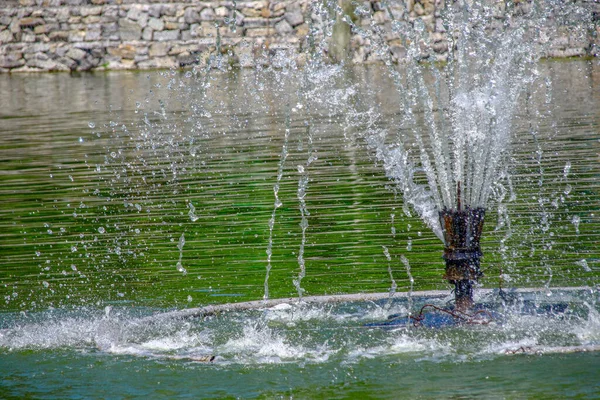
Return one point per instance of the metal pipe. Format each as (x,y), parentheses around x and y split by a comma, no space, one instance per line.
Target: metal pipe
(462,253)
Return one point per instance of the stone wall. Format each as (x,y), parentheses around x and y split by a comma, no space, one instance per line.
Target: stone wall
(81,35)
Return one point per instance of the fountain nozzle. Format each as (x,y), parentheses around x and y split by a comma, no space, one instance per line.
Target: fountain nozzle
(462,233)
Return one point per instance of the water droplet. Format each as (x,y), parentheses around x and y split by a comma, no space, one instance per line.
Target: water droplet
(92,124)
(567,169)
(101,230)
(192,212)
(583,264)
(180,268)
(181,242)
(576,220)
(46,284)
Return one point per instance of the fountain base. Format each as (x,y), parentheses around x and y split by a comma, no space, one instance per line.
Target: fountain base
(462,232)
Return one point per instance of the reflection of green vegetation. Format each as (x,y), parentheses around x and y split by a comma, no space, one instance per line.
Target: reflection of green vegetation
(134,257)
(91,237)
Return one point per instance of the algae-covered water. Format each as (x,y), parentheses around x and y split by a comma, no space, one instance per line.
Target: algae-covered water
(122,196)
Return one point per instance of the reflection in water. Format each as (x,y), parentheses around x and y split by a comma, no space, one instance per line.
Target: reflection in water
(103,174)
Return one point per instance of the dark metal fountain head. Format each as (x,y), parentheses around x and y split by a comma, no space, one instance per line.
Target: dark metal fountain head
(462,233)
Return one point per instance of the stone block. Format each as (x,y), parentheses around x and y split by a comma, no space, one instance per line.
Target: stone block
(159,63)
(75,54)
(118,64)
(92,19)
(440,47)
(124,51)
(93,35)
(37,48)
(381,17)
(61,49)
(63,14)
(294,15)
(42,38)
(283,27)
(167,35)
(14,26)
(44,29)
(38,56)
(184,48)
(186,59)
(5,20)
(256,32)
(207,14)
(155,10)
(129,30)
(6,37)
(12,60)
(30,22)
(47,65)
(59,36)
(28,37)
(250,12)
(67,62)
(110,15)
(156,24)
(191,15)
(222,12)
(87,11)
(301,30)
(76,36)
(25,69)
(206,29)
(172,25)
(159,49)
(255,22)
(169,10)
(143,20)
(108,29)
(147,33)
(135,12)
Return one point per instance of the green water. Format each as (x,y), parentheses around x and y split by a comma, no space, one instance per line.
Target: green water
(297,352)
(526,377)
(97,172)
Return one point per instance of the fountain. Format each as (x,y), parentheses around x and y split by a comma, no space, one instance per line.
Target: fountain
(276,186)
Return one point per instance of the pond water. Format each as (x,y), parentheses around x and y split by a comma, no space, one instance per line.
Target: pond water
(123,195)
